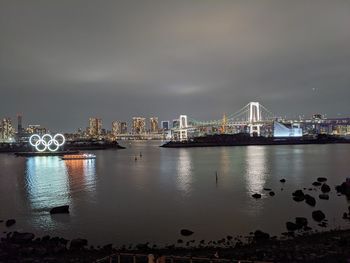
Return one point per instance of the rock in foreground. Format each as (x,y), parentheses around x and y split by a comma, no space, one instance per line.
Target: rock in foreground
(64,209)
(318,215)
(186,232)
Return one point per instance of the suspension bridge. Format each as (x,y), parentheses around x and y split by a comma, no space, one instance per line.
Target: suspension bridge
(253,116)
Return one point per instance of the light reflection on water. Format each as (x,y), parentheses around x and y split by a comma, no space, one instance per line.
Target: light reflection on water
(115,199)
(256,169)
(50,182)
(184,171)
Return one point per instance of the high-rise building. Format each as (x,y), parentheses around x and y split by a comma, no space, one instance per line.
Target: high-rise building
(176,123)
(19,123)
(95,127)
(165,125)
(154,124)
(7,131)
(138,125)
(116,128)
(123,127)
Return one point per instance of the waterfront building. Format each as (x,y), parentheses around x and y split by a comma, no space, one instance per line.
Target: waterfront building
(35,128)
(165,125)
(138,125)
(19,124)
(95,127)
(123,127)
(176,123)
(281,130)
(154,125)
(7,131)
(116,128)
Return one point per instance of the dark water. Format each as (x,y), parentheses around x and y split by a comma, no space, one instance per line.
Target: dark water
(117,199)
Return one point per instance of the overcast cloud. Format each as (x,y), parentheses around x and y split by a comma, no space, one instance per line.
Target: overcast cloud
(64,61)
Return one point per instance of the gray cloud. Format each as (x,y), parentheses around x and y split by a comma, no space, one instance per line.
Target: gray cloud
(63,61)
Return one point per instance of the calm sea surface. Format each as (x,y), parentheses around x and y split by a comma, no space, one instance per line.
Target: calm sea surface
(115,199)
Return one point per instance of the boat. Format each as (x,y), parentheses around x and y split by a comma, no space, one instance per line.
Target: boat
(82,156)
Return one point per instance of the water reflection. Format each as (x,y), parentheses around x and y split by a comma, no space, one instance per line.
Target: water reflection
(184,171)
(46,182)
(51,181)
(256,171)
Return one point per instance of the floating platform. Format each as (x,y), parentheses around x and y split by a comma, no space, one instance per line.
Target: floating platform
(35,154)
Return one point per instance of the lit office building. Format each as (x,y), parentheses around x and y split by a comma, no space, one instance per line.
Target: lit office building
(35,128)
(176,123)
(116,128)
(95,127)
(123,127)
(165,125)
(154,125)
(7,131)
(138,125)
(19,123)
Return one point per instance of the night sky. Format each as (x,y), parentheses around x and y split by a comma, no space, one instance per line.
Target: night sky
(64,61)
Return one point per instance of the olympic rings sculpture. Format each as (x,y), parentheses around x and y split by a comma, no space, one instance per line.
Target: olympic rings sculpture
(47,142)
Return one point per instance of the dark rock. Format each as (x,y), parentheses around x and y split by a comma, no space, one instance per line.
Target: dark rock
(316,183)
(21,238)
(310,200)
(345,215)
(324,196)
(321,179)
(298,198)
(267,189)
(229,237)
(10,222)
(78,243)
(298,193)
(318,215)
(291,226)
(272,193)
(186,232)
(283,180)
(260,235)
(256,196)
(180,241)
(325,188)
(64,209)
(1,221)
(301,222)
(344,189)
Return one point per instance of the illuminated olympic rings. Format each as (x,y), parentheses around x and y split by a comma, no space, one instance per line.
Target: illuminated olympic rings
(47,142)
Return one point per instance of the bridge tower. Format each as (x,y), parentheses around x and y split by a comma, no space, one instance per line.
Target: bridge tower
(254,118)
(183,128)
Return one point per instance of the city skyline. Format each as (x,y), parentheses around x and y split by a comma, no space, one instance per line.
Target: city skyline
(62,62)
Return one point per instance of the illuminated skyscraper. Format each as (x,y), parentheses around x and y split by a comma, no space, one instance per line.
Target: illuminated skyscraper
(116,128)
(154,125)
(95,127)
(19,123)
(123,127)
(138,125)
(165,125)
(7,131)
(176,123)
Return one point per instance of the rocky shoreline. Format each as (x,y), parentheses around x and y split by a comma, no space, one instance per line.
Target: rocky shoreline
(329,246)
